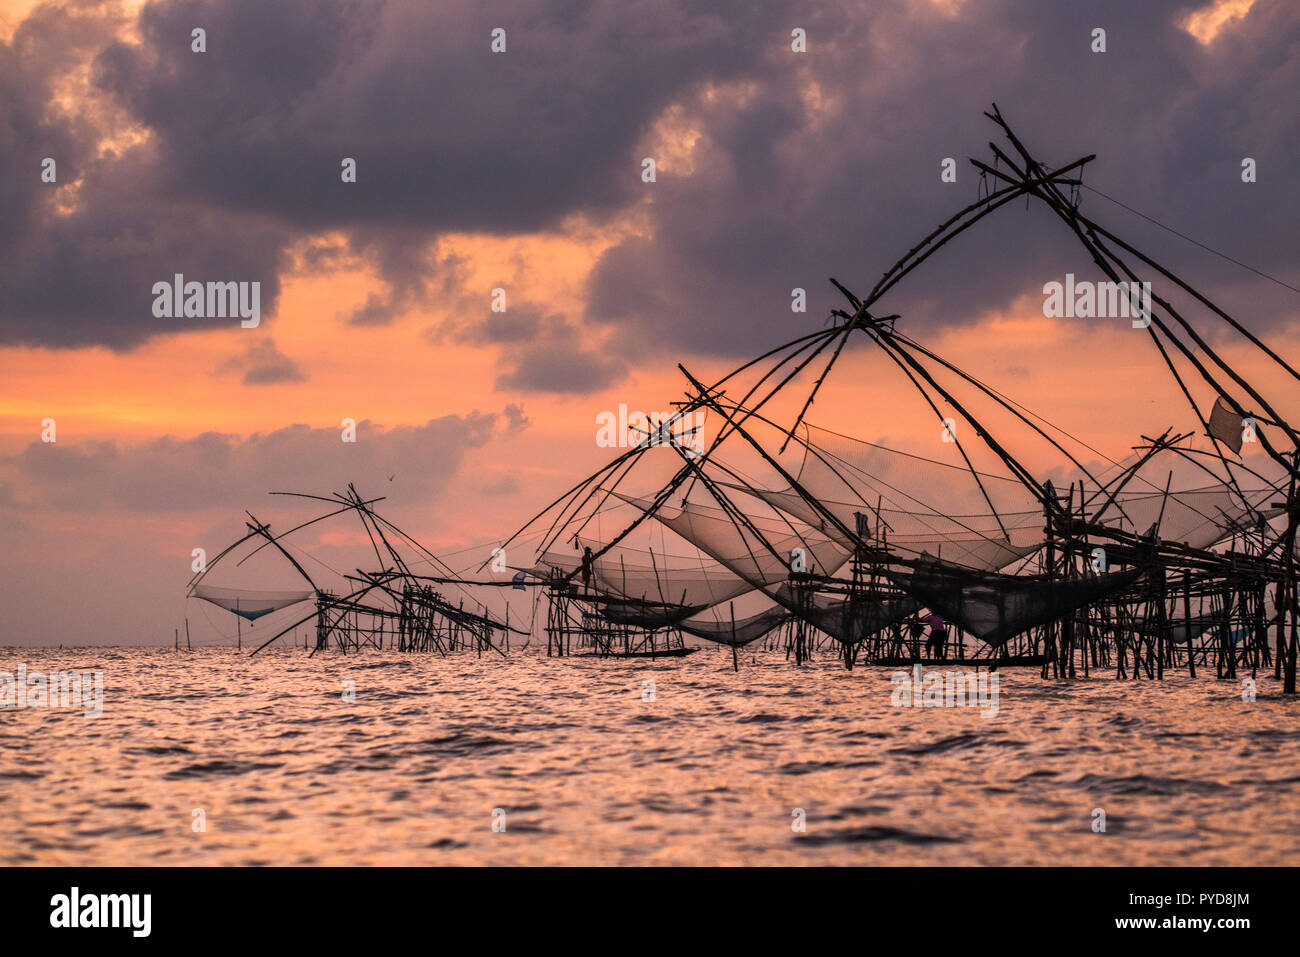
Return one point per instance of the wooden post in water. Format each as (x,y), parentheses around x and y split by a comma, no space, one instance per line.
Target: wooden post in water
(1289,676)
(735,655)
(1050,652)
(1160,622)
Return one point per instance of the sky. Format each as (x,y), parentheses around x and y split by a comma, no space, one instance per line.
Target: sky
(518,178)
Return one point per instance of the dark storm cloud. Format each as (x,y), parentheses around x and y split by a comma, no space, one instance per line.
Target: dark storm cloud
(411,272)
(246,140)
(160,475)
(446,135)
(784,196)
(83,274)
(29,131)
(242,159)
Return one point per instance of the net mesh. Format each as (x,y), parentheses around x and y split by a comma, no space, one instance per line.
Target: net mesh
(996,608)
(741,632)
(622,573)
(644,615)
(926,505)
(909,535)
(248,603)
(1199,516)
(745,551)
(848,621)
(919,505)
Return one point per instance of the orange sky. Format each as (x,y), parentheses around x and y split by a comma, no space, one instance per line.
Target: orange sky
(1096,380)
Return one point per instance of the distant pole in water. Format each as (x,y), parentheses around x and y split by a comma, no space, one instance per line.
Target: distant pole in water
(735,660)
(187,635)
(177,646)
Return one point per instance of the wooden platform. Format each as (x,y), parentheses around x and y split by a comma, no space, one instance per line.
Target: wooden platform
(1015,661)
(666,653)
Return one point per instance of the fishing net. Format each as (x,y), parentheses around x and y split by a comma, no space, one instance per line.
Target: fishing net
(917,505)
(926,505)
(740,632)
(642,614)
(248,603)
(996,608)
(615,574)
(1199,517)
(908,535)
(847,620)
(744,550)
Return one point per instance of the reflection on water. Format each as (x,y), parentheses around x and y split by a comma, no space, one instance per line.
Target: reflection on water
(283,770)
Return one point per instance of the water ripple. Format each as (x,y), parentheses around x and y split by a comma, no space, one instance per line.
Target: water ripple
(217,758)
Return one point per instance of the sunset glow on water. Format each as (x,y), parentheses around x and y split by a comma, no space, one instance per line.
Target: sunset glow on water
(586,771)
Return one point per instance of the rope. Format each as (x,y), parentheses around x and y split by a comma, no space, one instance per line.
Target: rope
(1194,242)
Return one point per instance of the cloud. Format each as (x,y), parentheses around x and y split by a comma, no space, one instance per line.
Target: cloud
(559,368)
(262,363)
(412,272)
(542,352)
(516,421)
(777,169)
(549,354)
(522,322)
(237,151)
(832,168)
(446,135)
(215,471)
(79,257)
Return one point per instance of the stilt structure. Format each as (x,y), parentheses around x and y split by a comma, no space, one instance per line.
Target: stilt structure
(1127,569)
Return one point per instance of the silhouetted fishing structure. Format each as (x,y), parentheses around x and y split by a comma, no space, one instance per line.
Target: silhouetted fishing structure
(392,607)
(1113,567)
(1121,571)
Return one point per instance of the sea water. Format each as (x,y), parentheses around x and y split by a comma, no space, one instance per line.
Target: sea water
(213,757)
